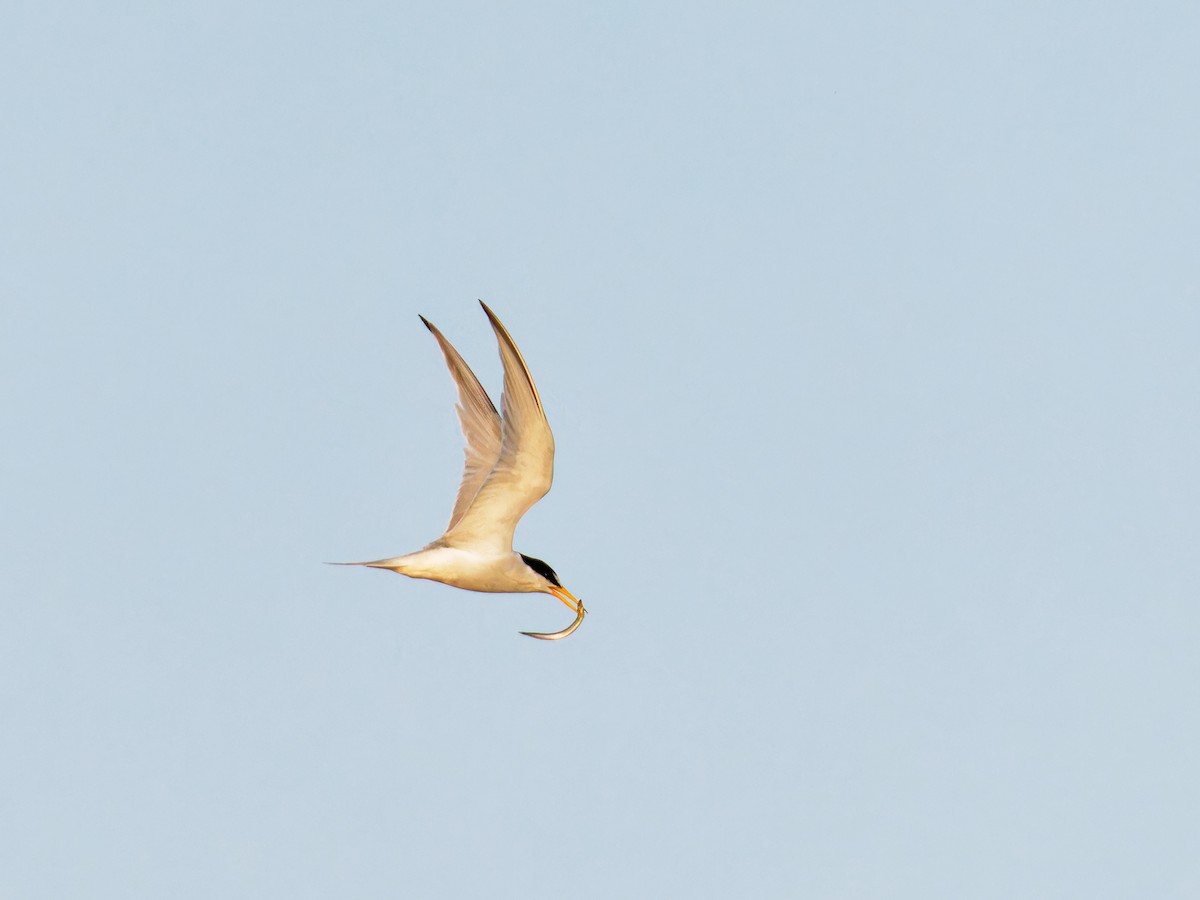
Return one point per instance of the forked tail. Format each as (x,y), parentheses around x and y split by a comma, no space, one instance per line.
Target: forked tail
(396,563)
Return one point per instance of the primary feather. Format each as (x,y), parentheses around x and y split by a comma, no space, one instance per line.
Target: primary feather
(480,426)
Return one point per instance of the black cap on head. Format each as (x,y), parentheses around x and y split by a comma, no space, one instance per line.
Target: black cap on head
(542,569)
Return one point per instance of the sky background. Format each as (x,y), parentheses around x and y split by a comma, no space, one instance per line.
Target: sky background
(869,335)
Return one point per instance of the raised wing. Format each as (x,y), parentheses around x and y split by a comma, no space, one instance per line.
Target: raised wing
(480,426)
(523,473)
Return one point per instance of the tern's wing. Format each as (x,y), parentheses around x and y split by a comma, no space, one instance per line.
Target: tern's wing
(525,469)
(480,426)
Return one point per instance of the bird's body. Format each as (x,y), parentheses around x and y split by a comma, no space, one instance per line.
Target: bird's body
(509,467)
(466,568)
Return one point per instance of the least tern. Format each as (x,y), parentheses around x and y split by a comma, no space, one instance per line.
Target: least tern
(509,467)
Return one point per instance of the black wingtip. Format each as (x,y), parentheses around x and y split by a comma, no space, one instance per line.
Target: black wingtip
(493,318)
(425,320)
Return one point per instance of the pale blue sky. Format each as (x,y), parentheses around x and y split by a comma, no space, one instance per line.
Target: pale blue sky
(869,337)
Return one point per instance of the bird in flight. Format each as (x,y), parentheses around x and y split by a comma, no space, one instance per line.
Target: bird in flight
(509,467)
